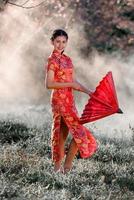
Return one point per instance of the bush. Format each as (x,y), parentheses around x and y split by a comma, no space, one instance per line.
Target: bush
(13,132)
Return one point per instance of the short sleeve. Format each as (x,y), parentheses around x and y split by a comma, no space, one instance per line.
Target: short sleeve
(51,64)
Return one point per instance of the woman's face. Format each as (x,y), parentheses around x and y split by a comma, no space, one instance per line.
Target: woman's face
(59,43)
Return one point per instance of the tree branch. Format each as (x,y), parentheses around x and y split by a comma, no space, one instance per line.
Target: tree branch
(25,2)
(27,7)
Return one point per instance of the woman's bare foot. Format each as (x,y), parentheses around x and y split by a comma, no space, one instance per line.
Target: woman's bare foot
(59,170)
(66,170)
(57,166)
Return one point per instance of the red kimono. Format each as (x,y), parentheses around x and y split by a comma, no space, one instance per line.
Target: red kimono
(63,105)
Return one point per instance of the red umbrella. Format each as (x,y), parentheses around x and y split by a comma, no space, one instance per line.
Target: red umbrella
(103,102)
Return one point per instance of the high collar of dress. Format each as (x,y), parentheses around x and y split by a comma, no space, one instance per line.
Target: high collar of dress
(57,53)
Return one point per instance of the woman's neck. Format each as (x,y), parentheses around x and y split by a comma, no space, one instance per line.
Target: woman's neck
(57,51)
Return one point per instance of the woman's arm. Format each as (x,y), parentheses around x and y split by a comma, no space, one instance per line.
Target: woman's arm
(51,84)
(78,86)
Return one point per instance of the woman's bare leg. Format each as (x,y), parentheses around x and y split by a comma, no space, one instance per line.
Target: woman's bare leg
(70,155)
(63,136)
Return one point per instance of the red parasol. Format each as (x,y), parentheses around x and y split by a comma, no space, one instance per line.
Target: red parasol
(103,101)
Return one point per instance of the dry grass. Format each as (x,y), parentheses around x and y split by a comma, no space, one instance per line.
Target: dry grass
(26,170)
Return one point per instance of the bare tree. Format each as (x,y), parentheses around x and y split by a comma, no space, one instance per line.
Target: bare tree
(23,5)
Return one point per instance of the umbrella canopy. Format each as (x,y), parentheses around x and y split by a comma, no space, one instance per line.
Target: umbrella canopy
(103,102)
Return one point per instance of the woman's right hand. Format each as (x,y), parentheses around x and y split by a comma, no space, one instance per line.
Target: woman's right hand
(90,93)
(76,86)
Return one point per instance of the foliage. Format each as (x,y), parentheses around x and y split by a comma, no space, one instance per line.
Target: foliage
(129,14)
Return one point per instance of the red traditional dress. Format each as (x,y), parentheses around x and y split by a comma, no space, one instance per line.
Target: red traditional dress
(63,105)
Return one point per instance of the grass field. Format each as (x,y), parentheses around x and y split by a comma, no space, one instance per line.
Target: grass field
(26,170)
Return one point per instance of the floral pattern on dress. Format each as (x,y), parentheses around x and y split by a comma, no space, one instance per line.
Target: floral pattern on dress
(63,105)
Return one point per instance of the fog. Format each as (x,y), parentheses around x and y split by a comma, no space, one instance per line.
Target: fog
(25,46)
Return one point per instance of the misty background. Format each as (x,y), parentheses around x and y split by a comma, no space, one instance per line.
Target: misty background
(25,46)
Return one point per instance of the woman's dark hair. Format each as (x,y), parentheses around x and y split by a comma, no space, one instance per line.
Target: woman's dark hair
(58,32)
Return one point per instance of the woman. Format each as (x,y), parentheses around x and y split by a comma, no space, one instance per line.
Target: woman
(60,77)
